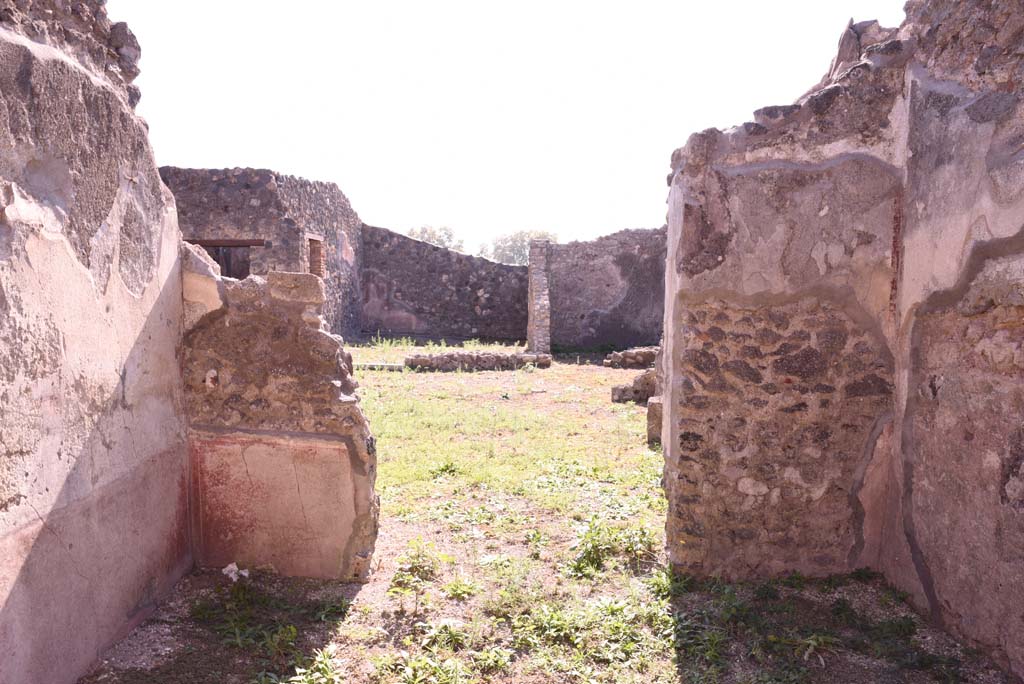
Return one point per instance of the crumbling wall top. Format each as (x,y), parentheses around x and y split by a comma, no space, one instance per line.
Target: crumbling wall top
(81,29)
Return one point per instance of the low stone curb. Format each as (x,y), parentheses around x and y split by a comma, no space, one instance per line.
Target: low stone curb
(475,361)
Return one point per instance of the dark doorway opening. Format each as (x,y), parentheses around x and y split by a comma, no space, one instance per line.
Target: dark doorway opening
(316,257)
(233,256)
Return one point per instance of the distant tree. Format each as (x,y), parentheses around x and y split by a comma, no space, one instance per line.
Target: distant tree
(442,237)
(514,248)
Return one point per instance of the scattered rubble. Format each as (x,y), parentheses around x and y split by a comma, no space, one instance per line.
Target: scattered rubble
(636,357)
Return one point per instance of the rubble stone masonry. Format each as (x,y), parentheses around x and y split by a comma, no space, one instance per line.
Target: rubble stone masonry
(608,292)
(283,463)
(538,332)
(844,352)
(291,214)
(413,288)
(93,459)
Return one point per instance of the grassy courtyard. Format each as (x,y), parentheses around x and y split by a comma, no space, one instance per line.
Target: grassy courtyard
(521,541)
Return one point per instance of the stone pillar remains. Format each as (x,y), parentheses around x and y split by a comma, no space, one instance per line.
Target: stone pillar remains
(283,464)
(538,327)
(844,345)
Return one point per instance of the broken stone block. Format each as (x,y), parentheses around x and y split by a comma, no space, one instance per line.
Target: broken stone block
(643,387)
(635,357)
(655,409)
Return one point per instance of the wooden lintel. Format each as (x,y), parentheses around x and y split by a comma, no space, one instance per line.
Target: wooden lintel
(225,242)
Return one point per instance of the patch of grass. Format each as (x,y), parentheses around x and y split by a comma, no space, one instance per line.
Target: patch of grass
(333,610)
(766,591)
(404,668)
(599,542)
(321,670)
(443,635)
(794,580)
(446,468)
(536,540)
(461,589)
(493,660)
(866,575)
(665,583)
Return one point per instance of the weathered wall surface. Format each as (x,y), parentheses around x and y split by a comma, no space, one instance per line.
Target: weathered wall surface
(287,211)
(608,291)
(843,354)
(414,288)
(93,524)
(283,464)
(538,324)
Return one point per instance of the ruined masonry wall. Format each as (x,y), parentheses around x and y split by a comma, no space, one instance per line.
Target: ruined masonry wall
(283,463)
(538,328)
(843,357)
(82,31)
(414,288)
(93,486)
(609,291)
(287,211)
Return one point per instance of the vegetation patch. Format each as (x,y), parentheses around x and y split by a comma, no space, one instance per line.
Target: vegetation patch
(521,541)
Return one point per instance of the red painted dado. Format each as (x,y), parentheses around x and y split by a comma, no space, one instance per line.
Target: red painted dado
(285,504)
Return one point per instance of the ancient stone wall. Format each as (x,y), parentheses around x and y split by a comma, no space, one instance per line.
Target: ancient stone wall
(93,484)
(843,354)
(608,292)
(283,464)
(414,288)
(256,204)
(538,326)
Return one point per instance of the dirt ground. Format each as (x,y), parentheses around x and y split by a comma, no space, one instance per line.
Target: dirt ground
(521,541)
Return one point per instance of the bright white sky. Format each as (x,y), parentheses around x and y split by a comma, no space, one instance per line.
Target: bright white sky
(487,117)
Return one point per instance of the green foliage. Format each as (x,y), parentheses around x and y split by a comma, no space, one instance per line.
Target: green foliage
(443,635)
(766,591)
(417,566)
(600,542)
(536,540)
(442,237)
(665,583)
(321,670)
(698,637)
(461,589)
(279,644)
(333,610)
(422,669)
(514,248)
(546,625)
(420,561)
(493,659)
(895,628)
(443,469)
(794,580)
(865,575)
(638,544)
